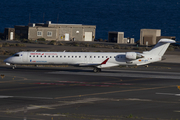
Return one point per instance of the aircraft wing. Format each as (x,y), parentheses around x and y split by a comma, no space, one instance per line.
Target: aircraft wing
(94,64)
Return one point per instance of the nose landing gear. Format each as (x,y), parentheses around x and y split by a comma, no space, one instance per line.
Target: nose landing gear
(13,67)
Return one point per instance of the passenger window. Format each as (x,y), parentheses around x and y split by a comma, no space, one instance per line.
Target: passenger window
(110,56)
(79,56)
(90,56)
(33,56)
(68,56)
(64,56)
(85,56)
(57,56)
(102,56)
(37,56)
(72,56)
(30,56)
(75,56)
(114,56)
(44,56)
(41,55)
(98,56)
(94,56)
(48,56)
(60,56)
(52,56)
(106,56)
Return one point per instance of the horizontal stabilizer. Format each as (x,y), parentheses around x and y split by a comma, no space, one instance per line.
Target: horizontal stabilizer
(167,41)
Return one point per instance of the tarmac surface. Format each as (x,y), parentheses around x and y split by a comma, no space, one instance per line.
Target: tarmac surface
(70,93)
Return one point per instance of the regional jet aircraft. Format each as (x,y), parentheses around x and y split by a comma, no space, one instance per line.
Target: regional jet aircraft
(97,60)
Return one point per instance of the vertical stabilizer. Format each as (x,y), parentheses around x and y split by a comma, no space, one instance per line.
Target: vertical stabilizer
(161,47)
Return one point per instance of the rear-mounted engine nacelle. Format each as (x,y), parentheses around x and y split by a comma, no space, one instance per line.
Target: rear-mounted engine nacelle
(133,55)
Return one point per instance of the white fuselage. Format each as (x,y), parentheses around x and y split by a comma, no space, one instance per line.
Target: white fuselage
(97,60)
(78,58)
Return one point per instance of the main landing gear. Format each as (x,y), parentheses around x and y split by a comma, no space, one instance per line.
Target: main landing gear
(97,69)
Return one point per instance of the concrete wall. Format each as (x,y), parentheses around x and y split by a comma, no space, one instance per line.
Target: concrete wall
(59,32)
(21,31)
(132,41)
(148,40)
(32,33)
(120,37)
(9,33)
(77,34)
(117,37)
(147,33)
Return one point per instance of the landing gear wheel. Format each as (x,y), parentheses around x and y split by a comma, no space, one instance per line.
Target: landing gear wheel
(96,69)
(13,67)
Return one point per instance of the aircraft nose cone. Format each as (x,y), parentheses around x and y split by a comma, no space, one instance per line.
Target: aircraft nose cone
(7,60)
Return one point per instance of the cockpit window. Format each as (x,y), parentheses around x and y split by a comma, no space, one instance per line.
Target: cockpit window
(16,55)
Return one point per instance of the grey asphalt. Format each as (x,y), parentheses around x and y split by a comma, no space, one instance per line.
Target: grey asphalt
(70,93)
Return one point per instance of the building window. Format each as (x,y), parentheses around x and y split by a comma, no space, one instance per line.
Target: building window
(49,33)
(39,33)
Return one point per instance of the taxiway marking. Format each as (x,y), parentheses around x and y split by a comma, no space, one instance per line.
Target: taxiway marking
(125,73)
(168,94)
(24,88)
(111,92)
(4,96)
(33,107)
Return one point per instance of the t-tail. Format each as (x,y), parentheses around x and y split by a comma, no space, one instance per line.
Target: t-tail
(154,55)
(161,47)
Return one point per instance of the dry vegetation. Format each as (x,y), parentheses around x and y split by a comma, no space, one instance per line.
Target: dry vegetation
(4,45)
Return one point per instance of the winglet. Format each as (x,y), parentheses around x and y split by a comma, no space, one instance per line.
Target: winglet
(104,62)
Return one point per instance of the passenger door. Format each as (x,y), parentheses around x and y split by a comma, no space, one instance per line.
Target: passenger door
(25,57)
